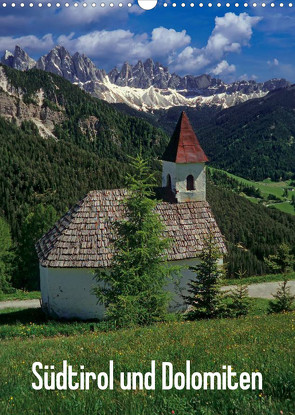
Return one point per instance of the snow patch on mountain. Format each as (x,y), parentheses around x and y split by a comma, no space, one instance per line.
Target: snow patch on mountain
(154,98)
(146,85)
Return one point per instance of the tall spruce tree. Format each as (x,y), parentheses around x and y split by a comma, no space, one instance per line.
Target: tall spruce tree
(133,288)
(205,299)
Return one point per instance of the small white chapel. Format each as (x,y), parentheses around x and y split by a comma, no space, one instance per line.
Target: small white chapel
(81,241)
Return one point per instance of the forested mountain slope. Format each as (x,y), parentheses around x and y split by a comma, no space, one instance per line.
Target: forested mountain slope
(34,170)
(254,140)
(252,232)
(64,111)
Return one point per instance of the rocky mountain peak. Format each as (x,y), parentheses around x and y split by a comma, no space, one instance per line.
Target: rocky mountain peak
(7,58)
(19,60)
(76,69)
(151,85)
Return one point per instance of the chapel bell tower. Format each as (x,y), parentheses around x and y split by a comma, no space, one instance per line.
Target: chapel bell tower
(183,170)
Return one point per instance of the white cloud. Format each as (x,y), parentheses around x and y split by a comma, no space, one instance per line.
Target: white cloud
(125,45)
(230,34)
(274,62)
(246,77)
(87,15)
(31,43)
(113,47)
(223,68)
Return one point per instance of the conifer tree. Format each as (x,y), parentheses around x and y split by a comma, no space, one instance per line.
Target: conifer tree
(205,299)
(240,302)
(133,289)
(283,299)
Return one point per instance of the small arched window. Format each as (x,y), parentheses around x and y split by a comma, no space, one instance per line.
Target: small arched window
(169,183)
(190,185)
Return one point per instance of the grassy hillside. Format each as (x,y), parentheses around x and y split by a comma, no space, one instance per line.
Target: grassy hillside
(256,343)
(270,193)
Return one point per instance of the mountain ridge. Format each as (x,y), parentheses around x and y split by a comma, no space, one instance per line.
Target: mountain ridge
(144,86)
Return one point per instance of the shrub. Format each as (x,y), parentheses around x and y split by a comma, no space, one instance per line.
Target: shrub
(283,299)
(205,297)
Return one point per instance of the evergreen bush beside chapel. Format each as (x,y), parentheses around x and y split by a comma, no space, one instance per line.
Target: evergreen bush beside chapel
(133,289)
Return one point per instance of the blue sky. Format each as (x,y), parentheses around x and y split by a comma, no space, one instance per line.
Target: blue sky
(228,42)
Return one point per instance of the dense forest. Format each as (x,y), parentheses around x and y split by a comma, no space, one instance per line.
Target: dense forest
(254,140)
(36,173)
(41,178)
(252,232)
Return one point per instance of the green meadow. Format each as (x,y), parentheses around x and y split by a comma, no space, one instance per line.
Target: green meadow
(258,342)
(268,187)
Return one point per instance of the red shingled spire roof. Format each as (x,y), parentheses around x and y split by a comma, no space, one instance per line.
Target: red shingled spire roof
(184,147)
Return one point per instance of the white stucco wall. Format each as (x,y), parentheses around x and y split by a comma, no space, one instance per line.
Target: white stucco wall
(178,173)
(169,168)
(66,292)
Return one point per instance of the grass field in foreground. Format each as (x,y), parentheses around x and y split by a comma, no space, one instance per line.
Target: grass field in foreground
(32,323)
(264,343)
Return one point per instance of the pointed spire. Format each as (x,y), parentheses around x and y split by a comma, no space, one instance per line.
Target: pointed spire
(184,147)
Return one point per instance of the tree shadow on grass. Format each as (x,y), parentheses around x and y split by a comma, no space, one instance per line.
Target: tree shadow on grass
(27,316)
(38,317)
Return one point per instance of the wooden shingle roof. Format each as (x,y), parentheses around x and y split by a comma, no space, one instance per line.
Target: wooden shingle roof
(83,237)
